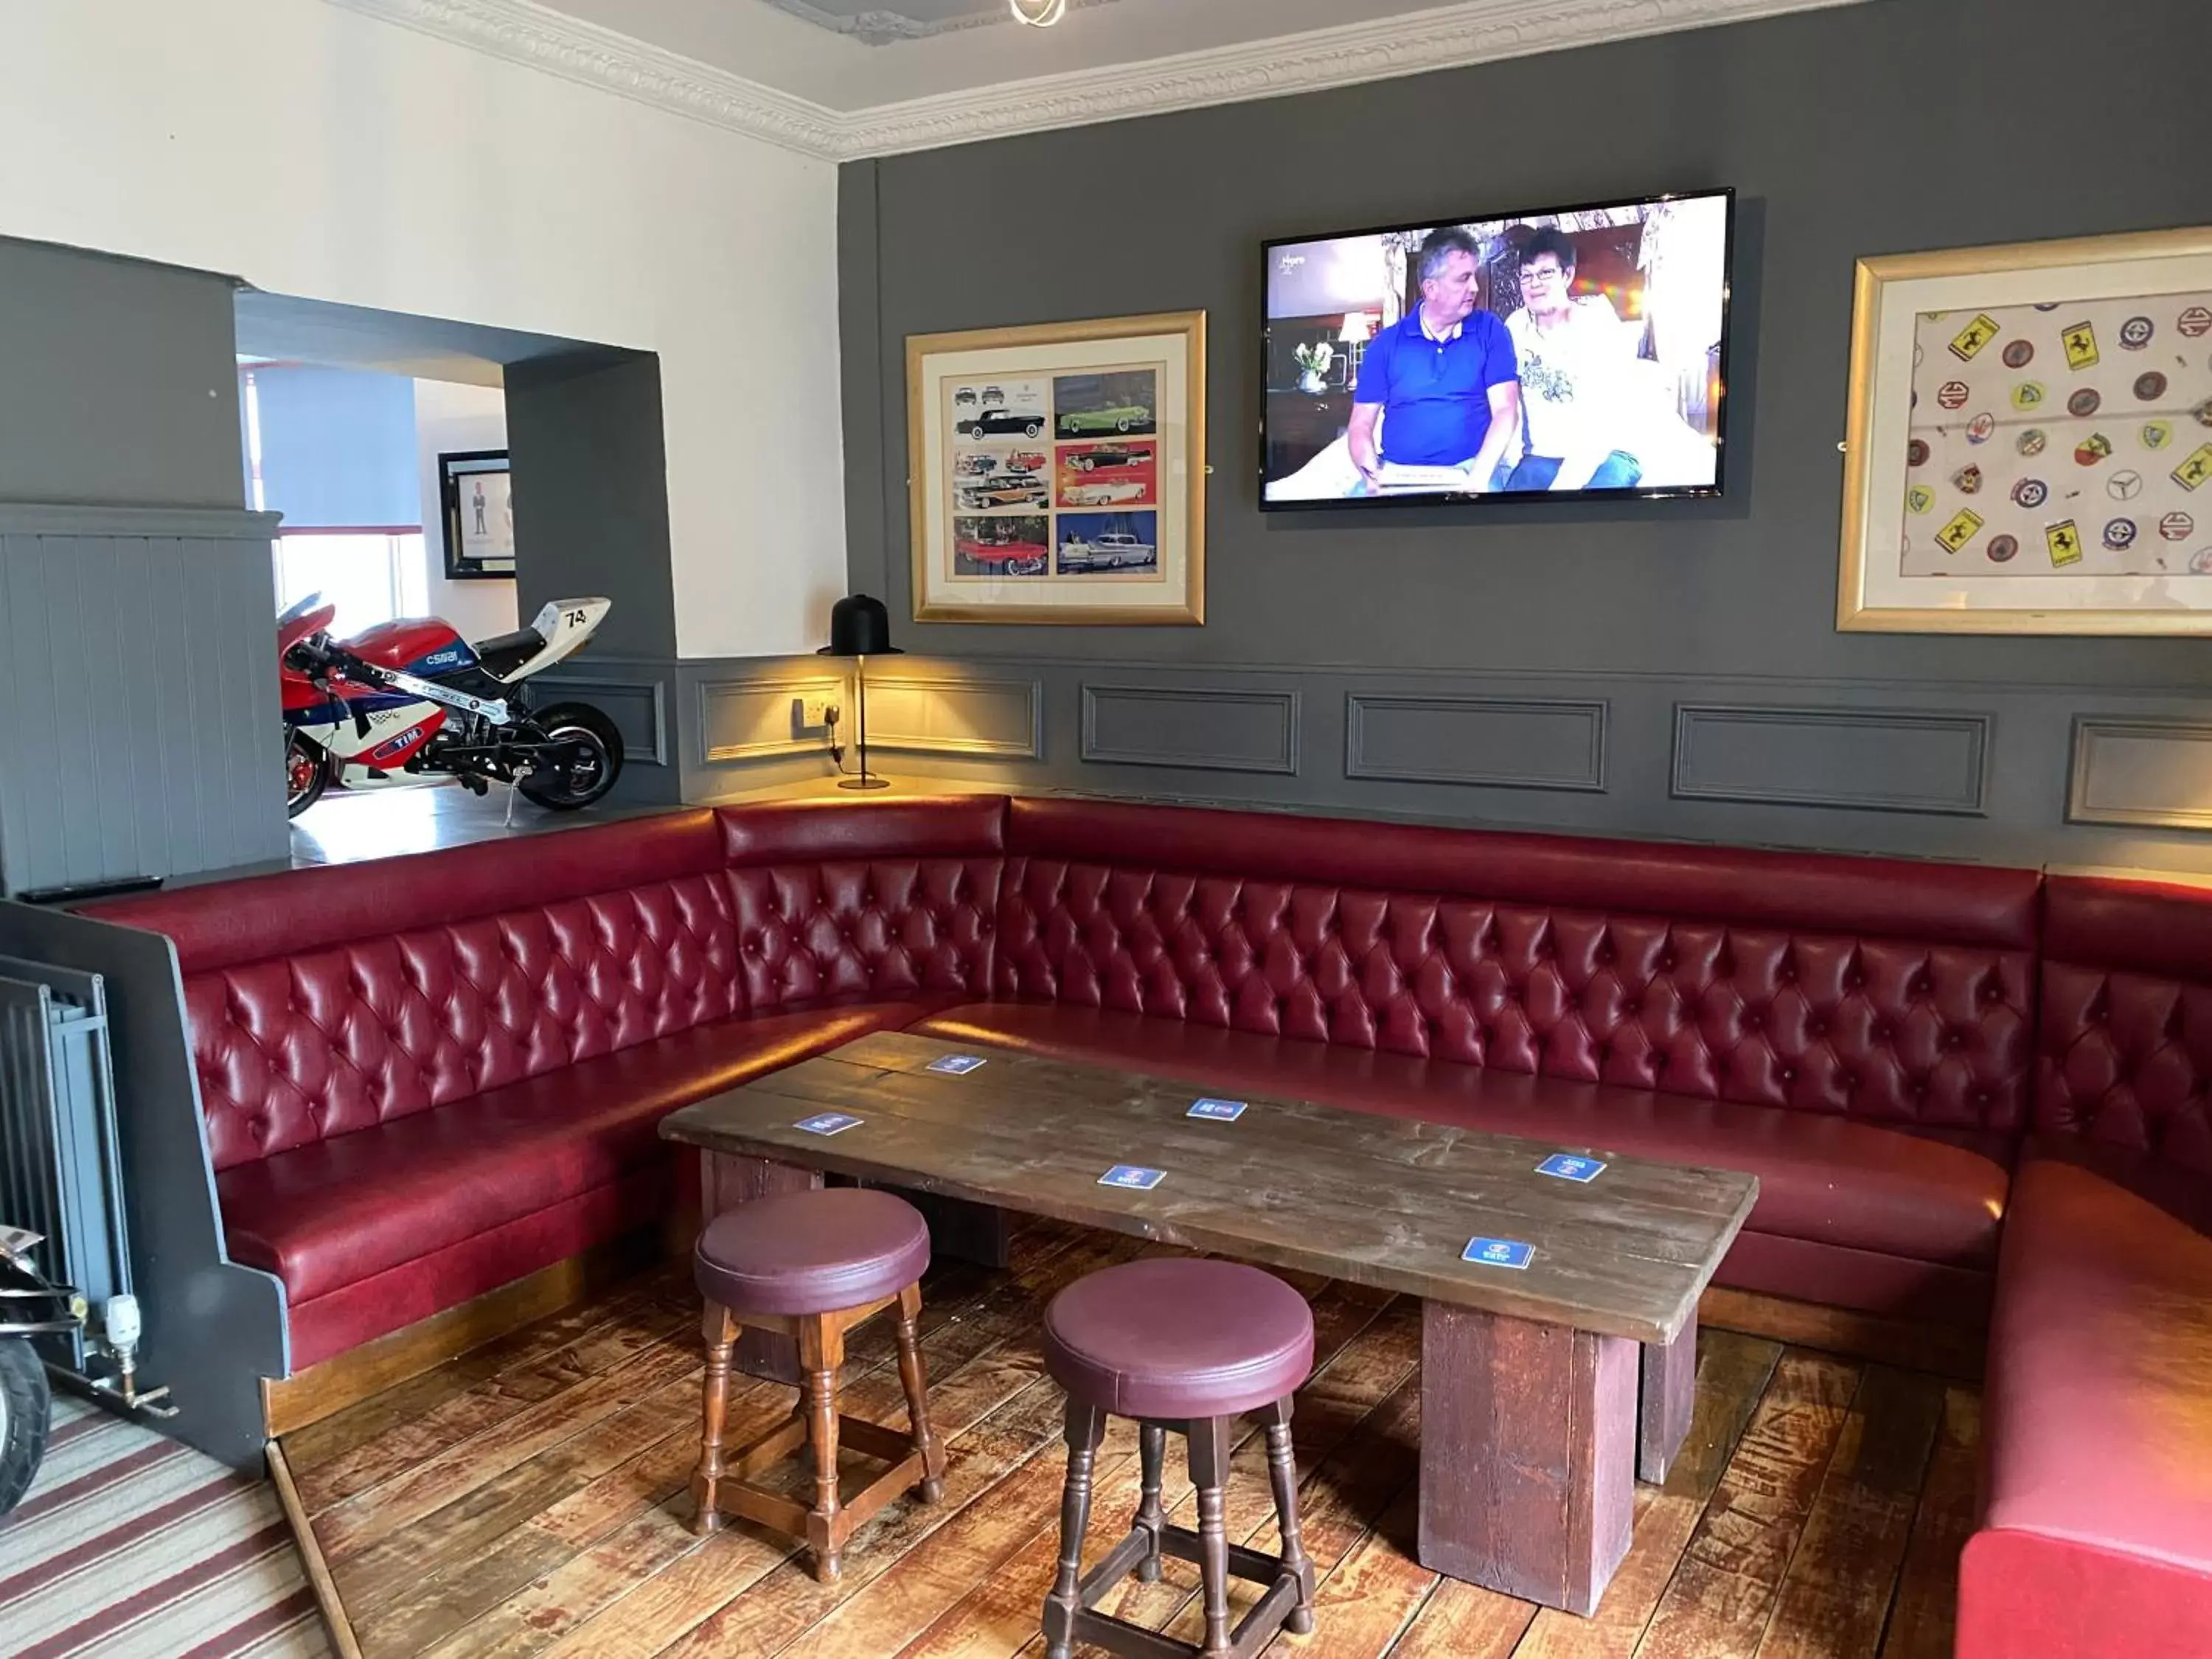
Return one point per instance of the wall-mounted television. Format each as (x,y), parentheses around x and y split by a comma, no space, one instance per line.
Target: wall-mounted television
(1569,352)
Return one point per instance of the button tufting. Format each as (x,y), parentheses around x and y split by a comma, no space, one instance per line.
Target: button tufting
(1790,1074)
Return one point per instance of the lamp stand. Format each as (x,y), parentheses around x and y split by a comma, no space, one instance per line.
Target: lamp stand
(860,686)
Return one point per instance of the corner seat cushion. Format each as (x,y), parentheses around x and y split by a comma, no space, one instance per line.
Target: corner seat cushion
(333,1212)
(2096,1440)
(1825,1179)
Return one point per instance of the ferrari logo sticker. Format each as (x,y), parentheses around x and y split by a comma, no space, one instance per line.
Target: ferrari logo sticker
(2065,543)
(2196,469)
(1965,527)
(2081,342)
(1971,338)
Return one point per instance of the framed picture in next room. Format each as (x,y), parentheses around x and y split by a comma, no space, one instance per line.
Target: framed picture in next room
(1058,472)
(479,514)
(2030,439)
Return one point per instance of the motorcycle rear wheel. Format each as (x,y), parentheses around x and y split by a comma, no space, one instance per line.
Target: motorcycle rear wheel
(596,762)
(306,774)
(25,1403)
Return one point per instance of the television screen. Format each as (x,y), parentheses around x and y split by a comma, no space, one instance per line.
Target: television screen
(1571,353)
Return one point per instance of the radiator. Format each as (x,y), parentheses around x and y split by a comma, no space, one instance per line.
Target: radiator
(61,1170)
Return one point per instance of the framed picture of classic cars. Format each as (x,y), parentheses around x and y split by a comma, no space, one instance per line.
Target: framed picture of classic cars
(2029,448)
(1059,473)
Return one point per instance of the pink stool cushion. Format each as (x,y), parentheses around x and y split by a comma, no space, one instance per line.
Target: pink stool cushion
(1173,1339)
(811,1252)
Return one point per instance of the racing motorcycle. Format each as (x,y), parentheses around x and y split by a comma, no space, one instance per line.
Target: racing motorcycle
(412,700)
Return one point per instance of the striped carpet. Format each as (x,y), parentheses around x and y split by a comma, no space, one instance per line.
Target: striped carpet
(130,1545)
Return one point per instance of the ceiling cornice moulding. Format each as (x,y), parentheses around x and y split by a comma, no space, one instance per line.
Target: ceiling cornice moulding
(1444,37)
(540,38)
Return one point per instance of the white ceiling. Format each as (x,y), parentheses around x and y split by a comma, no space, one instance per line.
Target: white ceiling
(880,25)
(766,42)
(820,85)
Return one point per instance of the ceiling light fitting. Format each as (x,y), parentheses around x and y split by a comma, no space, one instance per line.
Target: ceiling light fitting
(1039,13)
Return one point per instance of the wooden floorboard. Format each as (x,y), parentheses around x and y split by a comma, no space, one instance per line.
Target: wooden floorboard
(530,1501)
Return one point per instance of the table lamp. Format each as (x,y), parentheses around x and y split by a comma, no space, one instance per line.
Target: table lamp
(860,628)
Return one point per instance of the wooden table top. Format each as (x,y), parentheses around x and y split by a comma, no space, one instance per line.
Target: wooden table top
(1385,1201)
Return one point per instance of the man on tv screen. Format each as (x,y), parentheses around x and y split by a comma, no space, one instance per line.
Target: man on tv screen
(1440,383)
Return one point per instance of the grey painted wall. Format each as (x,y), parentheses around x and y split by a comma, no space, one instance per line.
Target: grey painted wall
(118,381)
(1672,669)
(591,507)
(138,729)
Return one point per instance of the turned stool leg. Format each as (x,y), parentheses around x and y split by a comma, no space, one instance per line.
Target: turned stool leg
(1282,1475)
(720,1332)
(1152,1446)
(917,1396)
(821,1351)
(1086,1426)
(1209,1471)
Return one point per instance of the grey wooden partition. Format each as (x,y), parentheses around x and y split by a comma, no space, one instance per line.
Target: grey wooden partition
(213,1328)
(140,733)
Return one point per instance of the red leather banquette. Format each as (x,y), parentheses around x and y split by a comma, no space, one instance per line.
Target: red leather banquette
(427,1077)
(2096,1535)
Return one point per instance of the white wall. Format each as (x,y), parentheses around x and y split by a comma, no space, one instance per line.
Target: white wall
(450,417)
(313,151)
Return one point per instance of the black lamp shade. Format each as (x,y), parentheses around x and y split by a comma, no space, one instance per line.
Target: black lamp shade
(859,626)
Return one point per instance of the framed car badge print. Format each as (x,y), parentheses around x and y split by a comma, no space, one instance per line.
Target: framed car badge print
(2030,439)
(1058,472)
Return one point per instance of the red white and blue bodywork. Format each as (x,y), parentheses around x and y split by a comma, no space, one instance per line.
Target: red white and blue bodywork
(412,696)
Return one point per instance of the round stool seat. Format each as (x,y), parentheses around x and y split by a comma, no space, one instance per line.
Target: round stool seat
(811,1252)
(1179,1339)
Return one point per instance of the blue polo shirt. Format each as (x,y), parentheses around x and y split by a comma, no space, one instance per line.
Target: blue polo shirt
(1435,394)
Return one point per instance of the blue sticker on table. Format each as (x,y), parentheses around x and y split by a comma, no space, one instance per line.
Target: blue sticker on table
(956,1065)
(1221,1111)
(1497,1252)
(829,1123)
(1134,1177)
(1567,1167)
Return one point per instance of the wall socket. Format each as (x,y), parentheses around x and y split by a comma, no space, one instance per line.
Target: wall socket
(814,712)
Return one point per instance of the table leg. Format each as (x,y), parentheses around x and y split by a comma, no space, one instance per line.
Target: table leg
(1665,1396)
(725,1182)
(958,1231)
(1528,1454)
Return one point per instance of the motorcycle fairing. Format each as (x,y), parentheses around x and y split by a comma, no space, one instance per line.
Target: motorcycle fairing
(419,646)
(563,625)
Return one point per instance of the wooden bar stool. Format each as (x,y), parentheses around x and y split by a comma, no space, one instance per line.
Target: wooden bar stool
(1188,1347)
(811,1266)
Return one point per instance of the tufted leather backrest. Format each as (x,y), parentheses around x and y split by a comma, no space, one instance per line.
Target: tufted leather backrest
(883,928)
(2125,1058)
(321,1042)
(890,899)
(326,1001)
(1879,989)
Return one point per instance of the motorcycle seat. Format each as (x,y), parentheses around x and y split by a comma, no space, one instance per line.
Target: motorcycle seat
(503,654)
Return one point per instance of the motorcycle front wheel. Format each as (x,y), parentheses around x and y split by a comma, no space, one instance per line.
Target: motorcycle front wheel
(25,1403)
(590,762)
(306,774)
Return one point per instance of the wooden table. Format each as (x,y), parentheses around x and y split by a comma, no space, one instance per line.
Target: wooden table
(1546,1391)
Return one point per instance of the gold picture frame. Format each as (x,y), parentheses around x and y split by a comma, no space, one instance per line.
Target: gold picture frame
(1057,472)
(2054,479)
